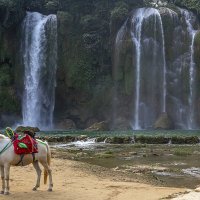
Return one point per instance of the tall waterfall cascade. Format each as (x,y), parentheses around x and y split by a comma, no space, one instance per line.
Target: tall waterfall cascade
(39,48)
(163,65)
(139,18)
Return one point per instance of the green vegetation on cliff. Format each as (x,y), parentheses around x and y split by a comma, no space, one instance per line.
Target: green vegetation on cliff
(12,13)
(8,100)
(86,34)
(189,4)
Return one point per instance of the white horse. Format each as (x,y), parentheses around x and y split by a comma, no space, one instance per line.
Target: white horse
(8,158)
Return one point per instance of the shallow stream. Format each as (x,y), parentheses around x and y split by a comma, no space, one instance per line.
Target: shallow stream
(165,164)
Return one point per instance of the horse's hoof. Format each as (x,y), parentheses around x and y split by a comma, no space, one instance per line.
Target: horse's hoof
(34,189)
(2,192)
(6,193)
(50,190)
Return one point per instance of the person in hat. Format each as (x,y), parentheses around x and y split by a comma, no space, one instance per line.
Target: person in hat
(30,133)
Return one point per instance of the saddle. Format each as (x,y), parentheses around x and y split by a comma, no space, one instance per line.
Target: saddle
(25,145)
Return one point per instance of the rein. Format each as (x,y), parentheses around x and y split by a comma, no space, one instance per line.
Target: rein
(6,147)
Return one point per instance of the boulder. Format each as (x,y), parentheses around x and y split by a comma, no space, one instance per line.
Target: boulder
(121,124)
(22,129)
(119,140)
(91,121)
(66,124)
(99,126)
(163,122)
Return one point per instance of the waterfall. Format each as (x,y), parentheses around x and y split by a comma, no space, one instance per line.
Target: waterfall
(192,71)
(39,47)
(164,65)
(145,110)
(136,35)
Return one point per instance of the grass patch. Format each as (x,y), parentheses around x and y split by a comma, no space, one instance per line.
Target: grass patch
(138,145)
(105,155)
(183,151)
(108,152)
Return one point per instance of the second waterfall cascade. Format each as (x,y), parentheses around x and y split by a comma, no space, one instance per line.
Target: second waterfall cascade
(161,55)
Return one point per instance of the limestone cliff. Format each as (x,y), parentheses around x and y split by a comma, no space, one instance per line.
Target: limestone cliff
(85,80)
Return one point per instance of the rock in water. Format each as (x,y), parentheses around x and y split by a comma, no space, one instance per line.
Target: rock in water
(21,129)
(163,122)
(99,126)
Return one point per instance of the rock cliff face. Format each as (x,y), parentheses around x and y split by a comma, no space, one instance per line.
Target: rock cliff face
(85,81)
(11,15)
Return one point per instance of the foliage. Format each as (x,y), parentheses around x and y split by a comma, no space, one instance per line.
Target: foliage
(81,73)
(11,12)
(190,4)
(120,12)
(34,4)
(5,75)
(52,5)
(89,23)
(8,101)
(8,3)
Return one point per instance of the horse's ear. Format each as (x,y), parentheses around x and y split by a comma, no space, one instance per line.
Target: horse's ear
(2,136)
(9,132)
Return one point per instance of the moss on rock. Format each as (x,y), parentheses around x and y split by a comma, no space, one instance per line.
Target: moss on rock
(100,126)
(152,139)
(21,129)
(185,140)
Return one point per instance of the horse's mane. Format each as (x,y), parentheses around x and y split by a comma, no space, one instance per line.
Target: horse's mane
(3,136)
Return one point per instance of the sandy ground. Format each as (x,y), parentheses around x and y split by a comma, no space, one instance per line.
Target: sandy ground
(72,183)
(190,196)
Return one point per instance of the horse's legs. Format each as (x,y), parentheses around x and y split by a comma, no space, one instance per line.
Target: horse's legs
(48,169)
(6,178)
(3,180)
(39,171)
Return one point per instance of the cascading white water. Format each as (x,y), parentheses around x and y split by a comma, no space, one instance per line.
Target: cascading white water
(192,71)
(164,64)
(141,15)
(136,36)
(39,57)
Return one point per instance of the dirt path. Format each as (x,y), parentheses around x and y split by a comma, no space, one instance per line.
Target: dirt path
(72,183)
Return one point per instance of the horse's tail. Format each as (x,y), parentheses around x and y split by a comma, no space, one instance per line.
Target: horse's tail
(48,161)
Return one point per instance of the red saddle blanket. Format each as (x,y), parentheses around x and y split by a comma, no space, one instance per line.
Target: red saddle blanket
(25,145)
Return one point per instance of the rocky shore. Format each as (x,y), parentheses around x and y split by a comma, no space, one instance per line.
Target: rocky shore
(142,139)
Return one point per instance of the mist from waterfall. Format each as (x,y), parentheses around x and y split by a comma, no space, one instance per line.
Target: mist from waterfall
(39,47)
(117,51)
